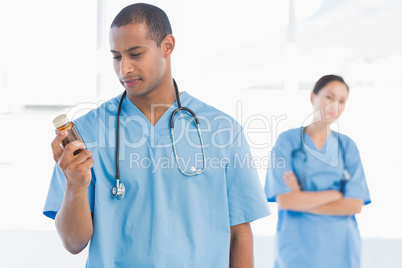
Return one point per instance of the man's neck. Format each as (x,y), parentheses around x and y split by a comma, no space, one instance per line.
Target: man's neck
(155,103)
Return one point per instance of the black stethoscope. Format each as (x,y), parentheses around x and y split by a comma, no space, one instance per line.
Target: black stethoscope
(345,174)
(119,190)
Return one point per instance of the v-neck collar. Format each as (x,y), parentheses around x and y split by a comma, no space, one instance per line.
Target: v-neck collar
(324,146)
(162,126)
(329,153)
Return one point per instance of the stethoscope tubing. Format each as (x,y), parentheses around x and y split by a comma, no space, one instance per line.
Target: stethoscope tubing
(119,189)
(345,173)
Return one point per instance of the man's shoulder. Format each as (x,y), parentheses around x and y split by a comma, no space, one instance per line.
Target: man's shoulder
(95,110)
(91,123)
(210,114)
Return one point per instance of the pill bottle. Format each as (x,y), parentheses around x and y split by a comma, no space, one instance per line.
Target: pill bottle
(61,122)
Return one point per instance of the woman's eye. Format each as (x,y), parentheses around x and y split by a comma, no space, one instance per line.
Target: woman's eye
(135,55)
(117,57)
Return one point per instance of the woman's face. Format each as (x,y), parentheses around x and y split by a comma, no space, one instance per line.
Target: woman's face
(330,102)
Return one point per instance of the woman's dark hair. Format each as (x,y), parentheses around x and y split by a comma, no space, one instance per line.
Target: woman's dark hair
(325,80)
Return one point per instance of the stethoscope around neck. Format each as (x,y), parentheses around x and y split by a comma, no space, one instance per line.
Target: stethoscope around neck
(345,174)
(119,190)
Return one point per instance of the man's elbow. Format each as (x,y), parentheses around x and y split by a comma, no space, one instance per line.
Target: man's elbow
(74,245)
(72,241)
(74,249)
(74,252)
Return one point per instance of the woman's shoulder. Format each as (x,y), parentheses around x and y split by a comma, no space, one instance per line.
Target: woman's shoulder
(346,141)
(292,136)
(292,133)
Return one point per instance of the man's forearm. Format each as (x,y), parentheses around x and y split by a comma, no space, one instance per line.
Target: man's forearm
(74,221)
(342,207)
(241,246)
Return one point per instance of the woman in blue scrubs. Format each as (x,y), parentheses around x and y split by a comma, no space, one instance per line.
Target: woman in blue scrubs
(317,179)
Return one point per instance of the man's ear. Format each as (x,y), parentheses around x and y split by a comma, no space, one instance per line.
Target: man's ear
(167,45)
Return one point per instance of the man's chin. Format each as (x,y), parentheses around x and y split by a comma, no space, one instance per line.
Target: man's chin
(136,92)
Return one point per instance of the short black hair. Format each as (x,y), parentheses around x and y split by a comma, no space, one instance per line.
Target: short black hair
(156,20)
(325,80)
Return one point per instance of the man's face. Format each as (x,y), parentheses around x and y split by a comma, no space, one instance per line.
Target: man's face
(138,62)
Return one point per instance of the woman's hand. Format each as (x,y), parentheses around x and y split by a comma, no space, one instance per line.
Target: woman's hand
(291,181)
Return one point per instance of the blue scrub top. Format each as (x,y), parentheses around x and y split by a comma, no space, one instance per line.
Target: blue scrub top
(166,219)
(312,240)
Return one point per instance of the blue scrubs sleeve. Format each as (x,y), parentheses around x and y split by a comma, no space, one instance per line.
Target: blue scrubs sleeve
(56,193)
(356,187)
(246,198)
(279,162)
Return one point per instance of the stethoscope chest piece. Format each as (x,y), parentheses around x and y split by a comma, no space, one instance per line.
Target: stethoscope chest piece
(346,175)
(118,191)
(196,170)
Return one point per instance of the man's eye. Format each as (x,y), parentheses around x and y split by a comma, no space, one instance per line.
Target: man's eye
(135,55)
(117,57)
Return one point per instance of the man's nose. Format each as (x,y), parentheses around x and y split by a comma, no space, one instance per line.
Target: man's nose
(126,66)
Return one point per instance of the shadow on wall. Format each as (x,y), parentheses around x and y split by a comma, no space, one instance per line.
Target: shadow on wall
(34,249)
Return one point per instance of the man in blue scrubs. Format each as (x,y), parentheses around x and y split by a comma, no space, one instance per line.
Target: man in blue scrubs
(166,219)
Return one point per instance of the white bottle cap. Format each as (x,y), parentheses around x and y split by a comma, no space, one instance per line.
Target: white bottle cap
(60,121)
